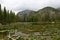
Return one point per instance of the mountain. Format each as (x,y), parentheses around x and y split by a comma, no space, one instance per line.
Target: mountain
(45,14)
(49,13)
(58,8)
(48,9)
(25,12)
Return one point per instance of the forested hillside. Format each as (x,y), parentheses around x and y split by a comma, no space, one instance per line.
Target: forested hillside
(46,14)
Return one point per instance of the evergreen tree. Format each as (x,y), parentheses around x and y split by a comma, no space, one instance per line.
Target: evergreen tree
(12,17)
(8,17)
(17,18)
(0,15)
(4,16)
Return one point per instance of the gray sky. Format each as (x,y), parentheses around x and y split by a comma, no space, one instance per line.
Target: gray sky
(18,5)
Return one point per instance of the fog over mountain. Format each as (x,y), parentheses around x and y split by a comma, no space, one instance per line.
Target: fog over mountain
(20,5)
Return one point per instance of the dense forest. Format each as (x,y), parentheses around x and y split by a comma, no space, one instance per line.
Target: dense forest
(7,17)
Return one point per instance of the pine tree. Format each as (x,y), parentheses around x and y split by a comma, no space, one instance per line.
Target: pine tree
(12,16)
(17,18)
(4,16)
(7,17)
(0,15)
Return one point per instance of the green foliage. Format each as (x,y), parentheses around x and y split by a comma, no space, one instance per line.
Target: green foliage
(50,30)
(20,38)
(0,15)
(10,39)
(7,17)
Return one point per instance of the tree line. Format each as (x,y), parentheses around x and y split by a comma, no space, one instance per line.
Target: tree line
(7,17)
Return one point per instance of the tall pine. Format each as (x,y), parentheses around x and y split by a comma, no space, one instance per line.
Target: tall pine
(4,16)
(0,14)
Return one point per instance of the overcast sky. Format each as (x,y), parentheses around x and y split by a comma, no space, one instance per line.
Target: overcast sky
(18,5)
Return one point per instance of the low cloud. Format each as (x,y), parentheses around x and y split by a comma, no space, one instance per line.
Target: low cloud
(18,5)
